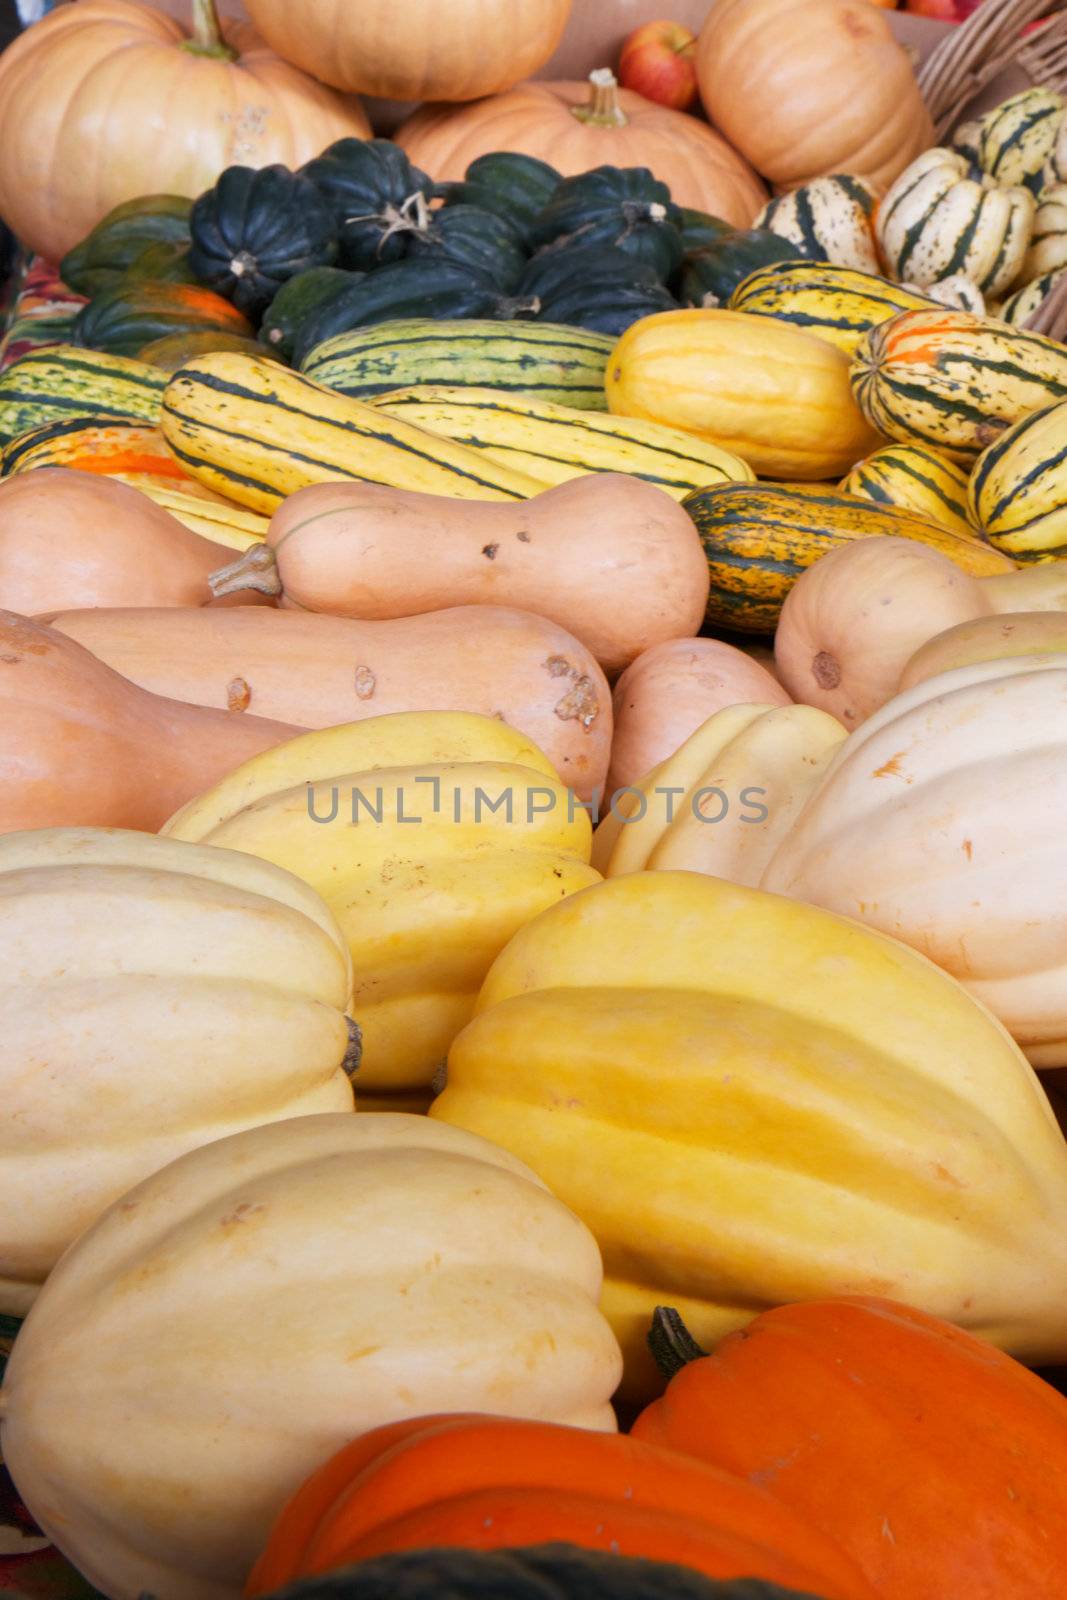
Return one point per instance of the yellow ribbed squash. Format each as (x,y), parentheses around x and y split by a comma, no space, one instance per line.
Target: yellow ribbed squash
(392,820)
(914,478)
(155,996)
(774,396)
(1019,487)
(751,1101)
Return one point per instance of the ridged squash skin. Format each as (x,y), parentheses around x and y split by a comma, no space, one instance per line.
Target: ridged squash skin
(1048,241)
(288,1289)
(759,538)
(740,1132)
(1018,489)
(829,219)
(939,823)
(1019,307)
(773,396)
(1015,140)
(149,974)
(915,478)
(835,303)
(953,380)
(425,906)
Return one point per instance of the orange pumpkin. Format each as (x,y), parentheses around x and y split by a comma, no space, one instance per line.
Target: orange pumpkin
(414,49)
(107,100)
(808,87)
(576,126)
(939,1462)
(490,1483)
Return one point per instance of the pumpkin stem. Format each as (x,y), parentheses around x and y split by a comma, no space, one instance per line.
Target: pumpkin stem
(256,569)
(672,1345)
(602,109)
(207,37)
(354,1053)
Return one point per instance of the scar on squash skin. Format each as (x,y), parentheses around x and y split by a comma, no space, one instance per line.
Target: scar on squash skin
(968,849)
(238,694)
(489,551)
(826,670)
(366,683)
(891,769)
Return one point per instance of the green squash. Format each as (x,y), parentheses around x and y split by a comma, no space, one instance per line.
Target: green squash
(296,300)
(513,186)
(478,239)
(622,206)
(710,275)
(255,230)
(699,228)
(538,1572)
(164,262)
(123,320)
(108,252)
(376,197)
(438,289)
(596,287)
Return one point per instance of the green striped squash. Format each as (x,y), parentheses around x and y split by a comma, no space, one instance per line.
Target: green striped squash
(1019,307)
(1016,138)
(63,381)
(914,478)
(954,381)
(936,220)
(759,538)
(837,304)
(1019,487)
(542,361)
(828,219)
(1048,241)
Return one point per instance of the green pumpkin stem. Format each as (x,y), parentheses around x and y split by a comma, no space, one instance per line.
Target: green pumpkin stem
(672,1345)
(207,37)
(602,109)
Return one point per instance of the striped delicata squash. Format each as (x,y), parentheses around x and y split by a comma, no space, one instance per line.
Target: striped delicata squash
(1019,487)
(838,304)
(914,478)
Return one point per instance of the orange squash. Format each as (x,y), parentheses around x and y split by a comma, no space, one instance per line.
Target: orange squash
(577,126)
(71,538)
(320,671)
(84,746)
(804,88)
(670,691)
(939,1462)
(489,1483)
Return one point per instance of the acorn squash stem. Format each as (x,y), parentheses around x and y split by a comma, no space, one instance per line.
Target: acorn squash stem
(255,569)
(602,109)
(672,1345)
(207,37)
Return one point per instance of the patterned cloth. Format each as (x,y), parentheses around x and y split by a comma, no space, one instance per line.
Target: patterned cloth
(39,311)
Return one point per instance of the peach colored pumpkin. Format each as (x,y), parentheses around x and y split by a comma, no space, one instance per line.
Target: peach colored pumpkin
(70,538)
(414,49)
(576,126)
(853,619)
(670,691)
(83,746)
(808,87)
(103,101)
(612,559)
(320,671)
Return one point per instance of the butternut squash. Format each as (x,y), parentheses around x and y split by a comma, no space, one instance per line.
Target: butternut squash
(321,671)
(994,638)
(70,538)
(670,691)
(612,559)
(84,746)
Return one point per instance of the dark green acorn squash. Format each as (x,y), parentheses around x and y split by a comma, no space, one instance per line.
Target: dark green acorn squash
(554,270)
(376,197)
(622,206)
(598,287)
(699,228)
(256,229)
(165,262)
(107,253)
(296,300)
(513,186)
(478,239)
(440,289)
(539,1572)
(710,275)
(125,319)
(606,308)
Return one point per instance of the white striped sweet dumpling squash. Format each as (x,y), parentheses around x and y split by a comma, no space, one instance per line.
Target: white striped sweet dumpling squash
(1019,487)
(1020,306)
(936,220)
(828,219)
(915,478)
(1048,240)
(954,381)
(425,908)
(1014,142)
(838,304)
(774,396)
(759,538)
(735,1139)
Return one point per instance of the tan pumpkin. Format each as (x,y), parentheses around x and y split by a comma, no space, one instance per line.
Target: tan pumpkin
(808,87)
(576,126)
(83,746)
(414,49)
(853,619)
(670,691)
(107,100)
(70,538)
(990,638)
(321,671)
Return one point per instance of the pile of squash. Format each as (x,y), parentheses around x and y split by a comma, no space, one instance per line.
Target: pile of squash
(533,750)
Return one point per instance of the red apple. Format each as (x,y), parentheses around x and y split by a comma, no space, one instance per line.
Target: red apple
(657,61)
